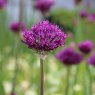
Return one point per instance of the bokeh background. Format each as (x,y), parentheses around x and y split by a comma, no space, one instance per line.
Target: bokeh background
(66,14)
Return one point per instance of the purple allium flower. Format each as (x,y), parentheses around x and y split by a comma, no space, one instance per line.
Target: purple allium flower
(43,5)
(3,3)
(91,60)
(91,18)
(86,46)
(83,14)
(13,94)
(77,1)
(17,26)
(68,56)
(44,36)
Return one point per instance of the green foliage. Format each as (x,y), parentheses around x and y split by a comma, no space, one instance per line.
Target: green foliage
(64,18)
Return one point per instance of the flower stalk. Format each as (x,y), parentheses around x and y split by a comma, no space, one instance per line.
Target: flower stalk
(18,28)
(75,78)
(1,80)
(41,77)
(90,79)
(16,66)
(67,81)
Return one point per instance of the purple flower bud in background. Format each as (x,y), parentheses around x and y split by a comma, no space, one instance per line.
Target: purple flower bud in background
(43,5)
(44,36)
(91,60)
(13,94)
(3,3)
(78,2)
(69,56)
(17,26)
(91,18)
(86,46)
(83,14)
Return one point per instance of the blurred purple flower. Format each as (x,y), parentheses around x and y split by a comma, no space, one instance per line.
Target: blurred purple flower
(91,18)
(13,94)
(3,3)
(17,26)
(43,5)
(86,46)
(44,36)
(91,60)
(77,1)
(68,56)
(83,14)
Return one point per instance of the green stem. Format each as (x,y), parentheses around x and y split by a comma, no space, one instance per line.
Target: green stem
(1,82)
(90,80)
(16,66)
(79,31)
(2,89)
(41,77)
(1,79)
(84,84)
(21,11)
(75,79)
(67,81)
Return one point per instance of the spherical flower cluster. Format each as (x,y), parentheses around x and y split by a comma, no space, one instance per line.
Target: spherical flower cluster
(17,26)
(86,46)
(13,94)
(43,5)
(83,14)
(91,60)
(91,18)
(69,57)
(78,1)
(44,36)
(3,3)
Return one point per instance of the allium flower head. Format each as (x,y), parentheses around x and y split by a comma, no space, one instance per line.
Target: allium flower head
(86,46)
(13,94)
(44,36)
(43,5)
(17,26)
(91,60)
(83,14)
(78,1)
(91,18)
(3,3)
(69,57)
